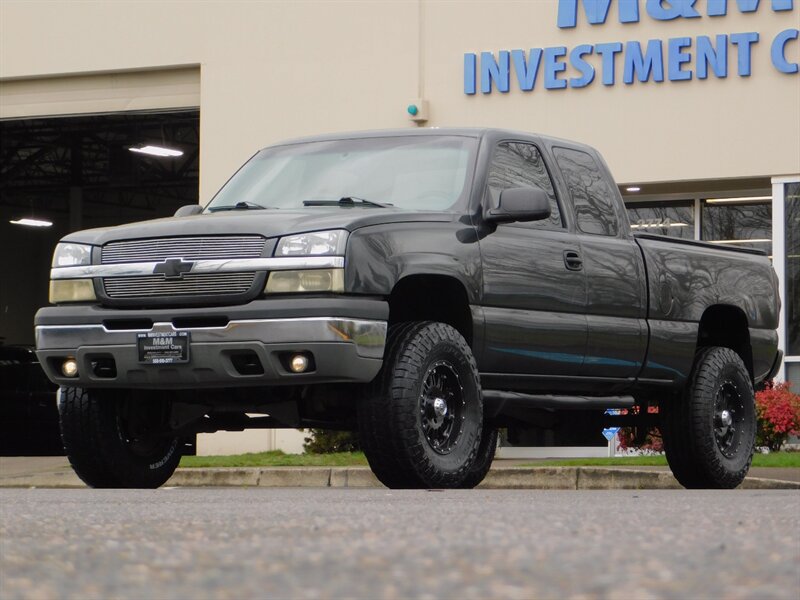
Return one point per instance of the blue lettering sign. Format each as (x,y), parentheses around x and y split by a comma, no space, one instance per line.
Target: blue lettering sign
(526,70)
(677,57)
(577,62)
(608,52)
(779,51)
(652,63)
(469,73)
(744,43)
(553,66)
(596,12)
(670,58)
(666,10)
(711,56)
(491,70)
(719,8)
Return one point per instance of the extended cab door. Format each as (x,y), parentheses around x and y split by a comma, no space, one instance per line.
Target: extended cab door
(616,303)
(533,301)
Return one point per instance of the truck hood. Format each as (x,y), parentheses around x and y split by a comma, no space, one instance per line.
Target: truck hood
(269,223)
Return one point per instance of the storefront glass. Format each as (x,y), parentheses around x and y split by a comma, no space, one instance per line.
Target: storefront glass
(792,215)
(675,219)
(738,222)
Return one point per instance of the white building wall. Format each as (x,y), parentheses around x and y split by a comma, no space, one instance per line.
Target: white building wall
(275,70)
(289,441)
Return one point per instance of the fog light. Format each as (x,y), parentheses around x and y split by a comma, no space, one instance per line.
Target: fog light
(71,290)
(298,363)
(70,368)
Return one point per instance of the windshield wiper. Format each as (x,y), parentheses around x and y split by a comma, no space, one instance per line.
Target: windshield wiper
(243,205)
(346,201)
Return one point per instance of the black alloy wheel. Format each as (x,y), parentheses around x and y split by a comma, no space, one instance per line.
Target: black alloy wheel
(709,431)
(729,416)
(442,407)
(421,420)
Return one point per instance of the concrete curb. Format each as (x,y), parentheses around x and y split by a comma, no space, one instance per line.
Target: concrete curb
(520,478)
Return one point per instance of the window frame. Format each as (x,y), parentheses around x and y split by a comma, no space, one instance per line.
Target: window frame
(565,222)
(623,226)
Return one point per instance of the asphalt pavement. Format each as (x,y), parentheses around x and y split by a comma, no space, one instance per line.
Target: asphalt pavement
(378,543)
(55,472)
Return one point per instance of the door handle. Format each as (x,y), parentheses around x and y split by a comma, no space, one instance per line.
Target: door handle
(573,260)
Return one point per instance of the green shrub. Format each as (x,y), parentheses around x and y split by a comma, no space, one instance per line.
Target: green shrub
(327,441)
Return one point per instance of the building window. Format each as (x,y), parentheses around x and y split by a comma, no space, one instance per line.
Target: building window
(738,221)
(675,219)
(792,218)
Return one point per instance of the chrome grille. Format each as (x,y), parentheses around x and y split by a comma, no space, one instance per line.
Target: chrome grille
(198,284)
(188,248)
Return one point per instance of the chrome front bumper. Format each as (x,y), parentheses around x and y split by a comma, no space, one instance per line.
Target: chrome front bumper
(344,350)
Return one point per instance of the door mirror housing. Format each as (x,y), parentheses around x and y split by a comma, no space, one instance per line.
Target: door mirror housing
(189,210)
(520,204)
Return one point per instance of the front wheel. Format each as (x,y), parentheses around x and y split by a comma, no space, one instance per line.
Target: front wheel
(483,460)
(420,423)
(115,440)
(709,432)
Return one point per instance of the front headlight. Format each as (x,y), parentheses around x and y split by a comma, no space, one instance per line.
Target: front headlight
(72,255)
(313,280)
(317,243)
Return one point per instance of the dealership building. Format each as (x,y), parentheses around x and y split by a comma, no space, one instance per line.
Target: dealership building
(695,105)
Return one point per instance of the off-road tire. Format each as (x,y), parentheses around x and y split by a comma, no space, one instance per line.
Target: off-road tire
(391,426)
(94,442)
(483,460)
(691,423)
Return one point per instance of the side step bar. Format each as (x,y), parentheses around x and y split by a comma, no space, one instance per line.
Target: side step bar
(495,401)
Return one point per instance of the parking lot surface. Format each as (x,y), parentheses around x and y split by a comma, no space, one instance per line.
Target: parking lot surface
(377,543)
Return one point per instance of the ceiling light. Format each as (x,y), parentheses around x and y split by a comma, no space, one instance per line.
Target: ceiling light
(32,222)
(157,151)
(753,241)
(657,225)
(741,199)
(633,189)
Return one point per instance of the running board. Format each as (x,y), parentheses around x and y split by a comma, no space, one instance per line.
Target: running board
(495,401)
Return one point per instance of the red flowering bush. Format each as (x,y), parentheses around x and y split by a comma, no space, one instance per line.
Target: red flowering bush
(778,412)
(644,438)
(629,437)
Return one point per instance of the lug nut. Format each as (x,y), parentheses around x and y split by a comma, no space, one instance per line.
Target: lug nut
(70,368)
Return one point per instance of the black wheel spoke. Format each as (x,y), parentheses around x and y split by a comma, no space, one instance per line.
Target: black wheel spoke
(728,414)
(442,402)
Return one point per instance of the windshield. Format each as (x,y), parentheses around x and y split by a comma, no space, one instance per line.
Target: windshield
(410,173)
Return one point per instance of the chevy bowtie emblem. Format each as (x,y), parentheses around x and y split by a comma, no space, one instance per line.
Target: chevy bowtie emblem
(173,268)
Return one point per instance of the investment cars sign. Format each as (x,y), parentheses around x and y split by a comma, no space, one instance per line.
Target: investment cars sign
(674,59)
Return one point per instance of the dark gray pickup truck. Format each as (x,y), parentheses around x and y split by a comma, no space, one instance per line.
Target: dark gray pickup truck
(423,287)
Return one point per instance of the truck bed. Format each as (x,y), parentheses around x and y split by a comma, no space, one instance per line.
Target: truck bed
(686,278)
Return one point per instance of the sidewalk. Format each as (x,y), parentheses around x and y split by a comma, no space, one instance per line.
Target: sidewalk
(55,472)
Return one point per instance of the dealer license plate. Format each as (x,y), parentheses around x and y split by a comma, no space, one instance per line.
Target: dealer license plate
(163,348)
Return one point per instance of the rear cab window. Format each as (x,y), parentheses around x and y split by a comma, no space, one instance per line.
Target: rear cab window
(593,199)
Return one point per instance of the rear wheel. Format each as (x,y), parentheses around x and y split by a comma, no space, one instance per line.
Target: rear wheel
(113,440)
(420,422)
(709,432)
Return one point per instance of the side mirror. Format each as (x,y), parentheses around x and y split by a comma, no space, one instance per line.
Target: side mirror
(520,204)
(189,210)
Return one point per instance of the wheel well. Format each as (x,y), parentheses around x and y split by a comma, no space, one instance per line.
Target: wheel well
(431,298)
(726,326)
